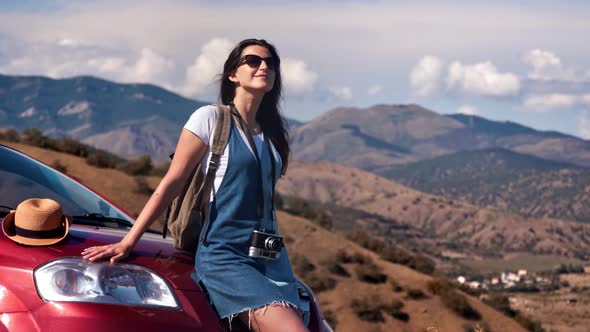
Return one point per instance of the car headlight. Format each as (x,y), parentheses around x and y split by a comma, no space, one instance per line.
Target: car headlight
(74,279)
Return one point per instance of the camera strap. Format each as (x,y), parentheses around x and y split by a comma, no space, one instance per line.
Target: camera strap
(246,130)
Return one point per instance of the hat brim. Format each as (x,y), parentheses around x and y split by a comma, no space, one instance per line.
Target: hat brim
(9,231)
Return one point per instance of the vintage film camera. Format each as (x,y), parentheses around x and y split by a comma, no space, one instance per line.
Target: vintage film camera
(265,245)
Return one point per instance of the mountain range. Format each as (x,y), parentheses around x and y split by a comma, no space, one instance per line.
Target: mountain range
(126,119)
(382,137)
(503,165)
(134,119)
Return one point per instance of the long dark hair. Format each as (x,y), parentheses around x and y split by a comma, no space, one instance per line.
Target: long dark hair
(269,115)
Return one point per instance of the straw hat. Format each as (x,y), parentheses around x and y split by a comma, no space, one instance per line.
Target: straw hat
(37,222)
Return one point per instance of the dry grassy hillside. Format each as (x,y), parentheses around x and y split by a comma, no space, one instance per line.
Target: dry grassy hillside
(320,248)
(453,224)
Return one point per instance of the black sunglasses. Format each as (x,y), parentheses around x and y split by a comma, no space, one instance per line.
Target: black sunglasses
(254,61)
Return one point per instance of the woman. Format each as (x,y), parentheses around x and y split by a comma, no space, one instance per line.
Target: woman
(261,292)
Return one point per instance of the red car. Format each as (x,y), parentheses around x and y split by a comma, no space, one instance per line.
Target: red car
(51,288)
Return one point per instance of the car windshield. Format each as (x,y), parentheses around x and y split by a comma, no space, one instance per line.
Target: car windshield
(22,177)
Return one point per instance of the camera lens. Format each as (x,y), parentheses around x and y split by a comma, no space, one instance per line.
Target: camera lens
(272,244)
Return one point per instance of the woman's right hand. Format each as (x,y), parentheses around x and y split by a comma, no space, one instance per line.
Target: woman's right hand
(116,251)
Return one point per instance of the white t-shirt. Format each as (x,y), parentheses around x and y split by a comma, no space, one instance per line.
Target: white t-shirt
(202,123)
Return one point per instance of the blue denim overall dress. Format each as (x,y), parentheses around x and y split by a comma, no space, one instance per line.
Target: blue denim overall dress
(234,281)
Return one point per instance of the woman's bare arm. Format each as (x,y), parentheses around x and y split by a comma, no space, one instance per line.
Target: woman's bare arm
(189,151)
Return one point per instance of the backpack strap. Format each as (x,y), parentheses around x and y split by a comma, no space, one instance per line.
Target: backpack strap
(220,140)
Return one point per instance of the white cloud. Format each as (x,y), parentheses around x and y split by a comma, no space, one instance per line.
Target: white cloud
(297,78)
(585,98)
(108,65)
(425,76)
(481,79)
(468,110)
(550,101)
(343,92)
(151,67)
(67,57)
(374,90)
(68,42)
(201,75)
(177,29)
(548,66)
(584,124)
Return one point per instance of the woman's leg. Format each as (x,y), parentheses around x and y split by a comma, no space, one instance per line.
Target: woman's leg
(274,317)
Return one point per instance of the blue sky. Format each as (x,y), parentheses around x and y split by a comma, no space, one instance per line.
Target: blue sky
(525,62)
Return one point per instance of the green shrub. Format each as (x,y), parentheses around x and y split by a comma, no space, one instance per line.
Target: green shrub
(140,166)
(330,317)
(288,239)
(422,263)
(400,315)
(362,238)
(161,169)
(459,304)
(35,137)
(416,294)
(335,268)
(528,323)
(569,268)
(59,166)
(367,309)
(10,135)
(101,159)
(69,146)
(392,253)
(142,187)
(500,302)
(343,257)
(370,272)
(452,299)
(395,305)
(396,255)
(439,286)
(395,286)
(301,265)
(359,258)
(279,201)
(303,208)
(319,281)
(394,309)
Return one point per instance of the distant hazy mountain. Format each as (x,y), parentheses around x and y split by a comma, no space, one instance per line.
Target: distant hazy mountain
(505,180)
(294,124)
(132,119)
(383,136)
(457,171)
(126,119)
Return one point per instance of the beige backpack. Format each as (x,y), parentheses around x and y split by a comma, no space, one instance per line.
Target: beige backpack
(186,214)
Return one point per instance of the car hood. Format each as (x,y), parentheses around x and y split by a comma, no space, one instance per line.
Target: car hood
(152,251)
